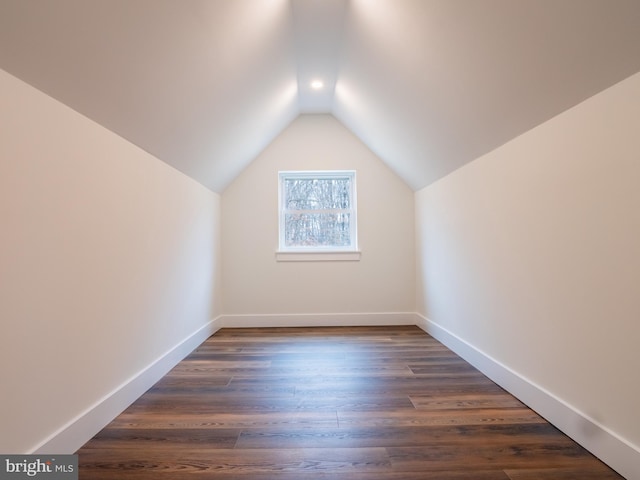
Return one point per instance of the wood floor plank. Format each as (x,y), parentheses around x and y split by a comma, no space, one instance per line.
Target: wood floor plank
(214,404)
(443,417)
(596,471)
(281,420)
(237,461)
(160,438)
(461,400)
(356,403)
(361,437)
(481,456)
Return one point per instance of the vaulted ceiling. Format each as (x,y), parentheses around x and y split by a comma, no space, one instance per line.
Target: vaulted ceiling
(428,85)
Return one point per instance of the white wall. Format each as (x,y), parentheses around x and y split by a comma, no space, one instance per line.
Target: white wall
(108,261)
(531,255)
(256,285)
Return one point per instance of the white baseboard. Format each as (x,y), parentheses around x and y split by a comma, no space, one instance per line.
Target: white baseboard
(615,451)
(318,320)
(86,425)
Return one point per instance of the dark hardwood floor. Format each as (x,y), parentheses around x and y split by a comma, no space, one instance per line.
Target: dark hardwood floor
(374,403)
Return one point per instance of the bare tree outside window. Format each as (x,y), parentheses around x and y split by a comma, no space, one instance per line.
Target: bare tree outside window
(317,210)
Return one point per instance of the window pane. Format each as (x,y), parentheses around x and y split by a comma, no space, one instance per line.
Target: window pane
(317,193)
(317,229)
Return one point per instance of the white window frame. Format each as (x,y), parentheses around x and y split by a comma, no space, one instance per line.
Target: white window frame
(317,253)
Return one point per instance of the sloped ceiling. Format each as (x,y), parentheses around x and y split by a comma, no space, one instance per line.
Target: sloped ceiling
(428,85)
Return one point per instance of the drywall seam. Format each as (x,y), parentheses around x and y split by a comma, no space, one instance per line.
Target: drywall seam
(609,447)
(81,429)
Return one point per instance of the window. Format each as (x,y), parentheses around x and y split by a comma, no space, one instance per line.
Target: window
(318,211)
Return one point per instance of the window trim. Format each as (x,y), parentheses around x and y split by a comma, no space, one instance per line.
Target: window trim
(306,253)
(350,256)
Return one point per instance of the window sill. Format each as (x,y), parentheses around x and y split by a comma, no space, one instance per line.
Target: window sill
(318,256)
